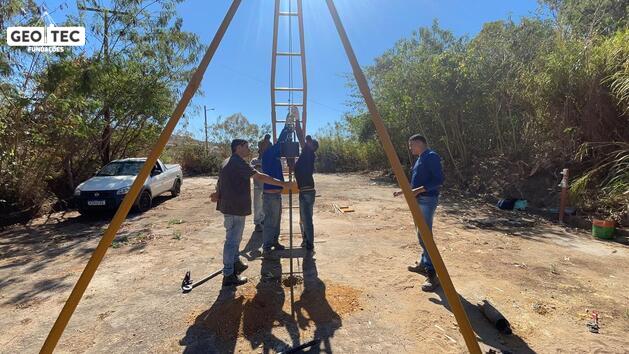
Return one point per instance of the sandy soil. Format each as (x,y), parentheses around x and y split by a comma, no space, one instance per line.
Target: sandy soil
(353,296)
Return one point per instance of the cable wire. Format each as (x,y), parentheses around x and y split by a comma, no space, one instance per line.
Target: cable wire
(290,57)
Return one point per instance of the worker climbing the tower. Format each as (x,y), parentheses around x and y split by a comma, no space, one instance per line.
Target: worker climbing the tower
(272,196)
(304,169)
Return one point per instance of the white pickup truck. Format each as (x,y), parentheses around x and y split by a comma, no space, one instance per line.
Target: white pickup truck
(108,187)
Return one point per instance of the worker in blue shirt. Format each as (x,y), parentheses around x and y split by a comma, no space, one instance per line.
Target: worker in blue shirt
(258,219)
(272,196)
(426,179)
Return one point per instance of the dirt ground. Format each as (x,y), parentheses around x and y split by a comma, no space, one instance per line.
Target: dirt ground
(354,296)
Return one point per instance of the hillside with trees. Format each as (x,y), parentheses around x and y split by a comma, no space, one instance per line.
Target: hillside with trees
(508,108)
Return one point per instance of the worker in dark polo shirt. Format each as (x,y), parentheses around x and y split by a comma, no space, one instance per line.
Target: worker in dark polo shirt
(233,197)
(304,169)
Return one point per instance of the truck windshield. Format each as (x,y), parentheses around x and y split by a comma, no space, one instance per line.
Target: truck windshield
(127,168)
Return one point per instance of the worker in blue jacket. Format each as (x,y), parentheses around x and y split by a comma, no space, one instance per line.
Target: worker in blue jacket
(426,180)
(272,196)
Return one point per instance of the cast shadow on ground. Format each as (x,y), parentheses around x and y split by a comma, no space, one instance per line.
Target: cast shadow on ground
(216,330)
(256,313)
(313,308)
(31,249)
(267,309)
(531,224)
(485,331)
(40,290)
(252,248)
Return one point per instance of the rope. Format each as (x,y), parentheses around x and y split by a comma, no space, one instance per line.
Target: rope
(290,49)
(290,100)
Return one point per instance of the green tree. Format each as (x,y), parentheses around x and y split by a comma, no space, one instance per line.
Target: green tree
(589,18)
(63,115)
(236,126)
(509,107)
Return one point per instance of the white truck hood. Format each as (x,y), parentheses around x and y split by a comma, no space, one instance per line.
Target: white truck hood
(106,183)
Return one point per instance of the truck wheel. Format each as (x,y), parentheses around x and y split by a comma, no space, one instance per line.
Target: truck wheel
(144,202)
(176,188)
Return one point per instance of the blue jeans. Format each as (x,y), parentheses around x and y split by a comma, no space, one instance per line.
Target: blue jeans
(428,205)
(234,226)
(272,203)
(306,204)
(258,213)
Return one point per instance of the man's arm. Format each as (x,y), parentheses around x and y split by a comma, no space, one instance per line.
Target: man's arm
(274,151)
(271,153)
(300,134)
(283,136)
(214,197)
(298,130)
(270,180)
(434,166)
(415,191)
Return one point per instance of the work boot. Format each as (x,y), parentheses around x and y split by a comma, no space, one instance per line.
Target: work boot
(279,247)
(431,284)
(234,279)
(419,269)
(240,266)
(258,228)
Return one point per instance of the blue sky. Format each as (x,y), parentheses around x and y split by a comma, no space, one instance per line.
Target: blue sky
(238,78)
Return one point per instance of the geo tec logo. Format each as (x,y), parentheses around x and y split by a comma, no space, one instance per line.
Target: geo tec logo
(54,37)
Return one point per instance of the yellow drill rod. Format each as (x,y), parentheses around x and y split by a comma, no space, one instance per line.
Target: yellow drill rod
(127,202)
(426,234)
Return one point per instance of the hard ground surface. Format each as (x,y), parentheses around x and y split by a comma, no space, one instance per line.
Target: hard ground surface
(354,295)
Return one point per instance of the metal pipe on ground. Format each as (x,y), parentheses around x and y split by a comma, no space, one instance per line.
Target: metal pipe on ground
(187,285)
(495,317)
(301,347)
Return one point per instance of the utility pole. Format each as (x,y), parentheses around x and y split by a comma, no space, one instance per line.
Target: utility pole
(205,109)
(105,143)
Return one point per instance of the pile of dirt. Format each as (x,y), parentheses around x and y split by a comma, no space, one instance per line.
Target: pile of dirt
(343,299)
